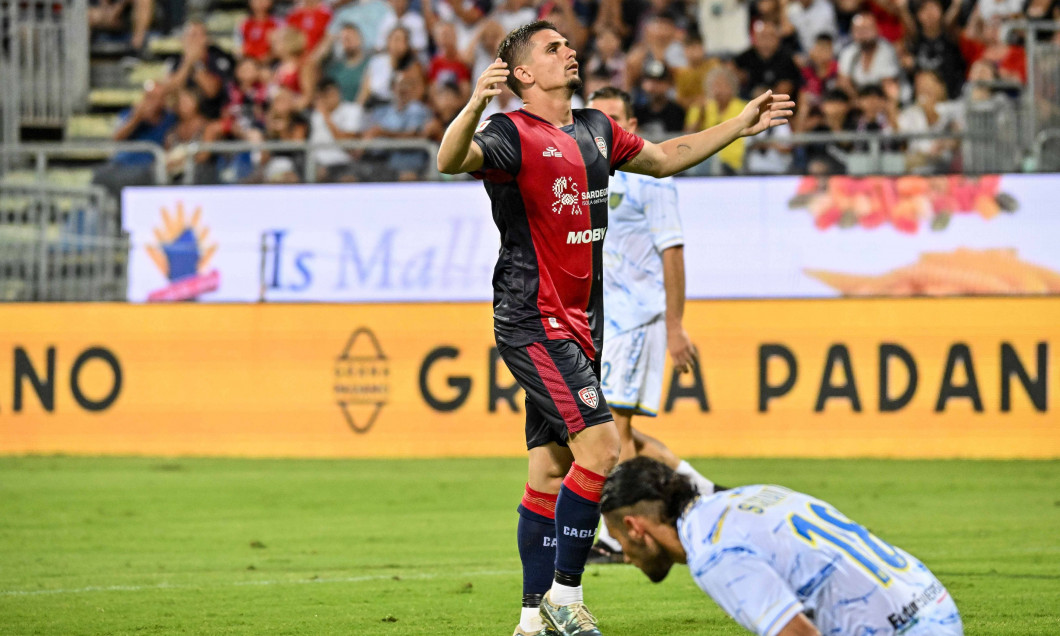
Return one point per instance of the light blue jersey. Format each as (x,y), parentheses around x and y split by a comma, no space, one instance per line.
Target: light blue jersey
(766,553)
(642,222)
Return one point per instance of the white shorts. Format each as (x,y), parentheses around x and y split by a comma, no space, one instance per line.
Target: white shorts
(631,374)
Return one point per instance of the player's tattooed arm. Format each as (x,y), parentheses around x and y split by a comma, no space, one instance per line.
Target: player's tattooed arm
(457,152)
(675,155)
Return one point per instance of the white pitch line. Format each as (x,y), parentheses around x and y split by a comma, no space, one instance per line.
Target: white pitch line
(168,586)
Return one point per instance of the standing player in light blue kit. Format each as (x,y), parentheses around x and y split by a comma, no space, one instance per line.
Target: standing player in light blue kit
(778,561)
(644,298)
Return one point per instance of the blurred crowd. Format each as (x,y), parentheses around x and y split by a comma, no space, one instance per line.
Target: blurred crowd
(402,69)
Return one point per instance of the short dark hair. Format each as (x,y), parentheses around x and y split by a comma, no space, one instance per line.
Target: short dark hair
(872,90)
(326,83)
(835,95)
(644,479)
(514,47)
(824,37)
(611,92)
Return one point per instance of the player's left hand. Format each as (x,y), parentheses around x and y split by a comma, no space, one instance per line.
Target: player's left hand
(682,352)
(765,111)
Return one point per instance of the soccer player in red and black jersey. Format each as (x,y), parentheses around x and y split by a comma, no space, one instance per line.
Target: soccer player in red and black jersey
(546,170)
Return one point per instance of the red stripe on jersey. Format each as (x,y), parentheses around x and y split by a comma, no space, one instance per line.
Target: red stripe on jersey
(557,387)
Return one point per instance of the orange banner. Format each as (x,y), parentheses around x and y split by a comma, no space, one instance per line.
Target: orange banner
(826,378)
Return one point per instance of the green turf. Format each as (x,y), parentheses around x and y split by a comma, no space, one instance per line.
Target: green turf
(216,546)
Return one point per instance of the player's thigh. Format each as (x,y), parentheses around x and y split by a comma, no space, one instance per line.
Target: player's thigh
(561,386)
(622,371)
(653,359)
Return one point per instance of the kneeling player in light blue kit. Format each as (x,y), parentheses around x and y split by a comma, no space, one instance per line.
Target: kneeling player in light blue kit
(778,561)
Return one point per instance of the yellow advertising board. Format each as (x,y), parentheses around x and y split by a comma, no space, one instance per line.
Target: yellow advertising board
(807,378)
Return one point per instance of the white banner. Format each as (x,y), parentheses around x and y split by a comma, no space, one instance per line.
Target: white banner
(348,243)
(779,237)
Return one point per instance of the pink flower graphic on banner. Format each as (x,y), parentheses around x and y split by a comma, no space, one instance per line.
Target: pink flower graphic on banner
(903,202)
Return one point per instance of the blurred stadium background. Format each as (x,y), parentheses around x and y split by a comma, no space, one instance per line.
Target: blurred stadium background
(247,340)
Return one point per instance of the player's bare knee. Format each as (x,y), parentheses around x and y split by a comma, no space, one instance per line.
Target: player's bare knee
(597,448)
(548,466)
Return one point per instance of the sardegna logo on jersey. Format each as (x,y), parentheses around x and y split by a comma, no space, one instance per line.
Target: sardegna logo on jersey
(182,254)
(567,197)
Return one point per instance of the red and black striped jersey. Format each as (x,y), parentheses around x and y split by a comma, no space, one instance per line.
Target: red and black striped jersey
(548,188)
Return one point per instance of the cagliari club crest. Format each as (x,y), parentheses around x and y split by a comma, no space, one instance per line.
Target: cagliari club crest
(601,146)
(588,395)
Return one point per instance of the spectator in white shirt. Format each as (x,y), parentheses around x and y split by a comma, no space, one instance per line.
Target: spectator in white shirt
(1000,8)
(930,113)
(333,120)
(868,59)
(512,14)
(812,18)
(412,21)
(725,26)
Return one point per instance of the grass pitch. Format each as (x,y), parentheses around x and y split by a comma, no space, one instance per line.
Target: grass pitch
(223,546)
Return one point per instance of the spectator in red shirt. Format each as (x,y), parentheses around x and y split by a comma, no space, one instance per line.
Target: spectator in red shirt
(248,100)
(981,41)
(292,72)
(821,73)
(885,12)
(888,19)
(310,17)
(447,66)
(255,29)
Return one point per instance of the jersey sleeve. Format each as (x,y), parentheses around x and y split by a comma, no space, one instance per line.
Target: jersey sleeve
(660,206)
(624,146)
(743,583)
(499,140)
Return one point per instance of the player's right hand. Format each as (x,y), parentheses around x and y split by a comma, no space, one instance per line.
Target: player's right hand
(487,86)
(683,353)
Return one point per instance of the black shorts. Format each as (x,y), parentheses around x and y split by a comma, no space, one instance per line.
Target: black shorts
(562,387)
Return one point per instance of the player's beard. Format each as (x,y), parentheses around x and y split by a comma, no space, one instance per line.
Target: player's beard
(574,84)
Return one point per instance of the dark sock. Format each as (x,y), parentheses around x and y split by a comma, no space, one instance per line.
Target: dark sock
(537,544)
(577,516)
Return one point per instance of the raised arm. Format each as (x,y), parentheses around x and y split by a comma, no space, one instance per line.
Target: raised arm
(678,154)
(457,153)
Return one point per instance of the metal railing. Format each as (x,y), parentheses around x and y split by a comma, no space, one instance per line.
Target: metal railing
(61,244)
(310,162)
(41,155)
(1041,100)
(45,43)
(10,118)
(860,153)
(1046,155)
